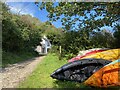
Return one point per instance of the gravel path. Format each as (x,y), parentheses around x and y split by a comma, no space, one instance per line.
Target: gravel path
(13,75)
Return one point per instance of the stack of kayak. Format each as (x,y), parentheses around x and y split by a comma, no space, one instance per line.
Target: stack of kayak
(86,53)
(96,67)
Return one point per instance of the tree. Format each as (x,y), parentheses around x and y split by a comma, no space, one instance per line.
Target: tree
(73,11)
(102,39)
(19,32)
(54,34)
(117,37)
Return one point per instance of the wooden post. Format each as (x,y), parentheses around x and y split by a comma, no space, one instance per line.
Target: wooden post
(60,49)
(60,53)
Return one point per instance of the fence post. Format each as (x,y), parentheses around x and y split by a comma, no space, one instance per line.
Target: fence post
(60,53)
(60,49)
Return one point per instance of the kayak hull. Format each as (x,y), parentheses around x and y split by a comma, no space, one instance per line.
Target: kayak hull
(79,70)
(106,76)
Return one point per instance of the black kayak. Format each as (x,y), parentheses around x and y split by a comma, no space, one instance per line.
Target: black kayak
(79,70)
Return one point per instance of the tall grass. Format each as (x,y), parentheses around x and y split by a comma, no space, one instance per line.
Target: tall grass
(11,58)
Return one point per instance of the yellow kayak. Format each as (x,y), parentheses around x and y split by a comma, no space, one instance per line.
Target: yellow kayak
(106,76)
(112,54)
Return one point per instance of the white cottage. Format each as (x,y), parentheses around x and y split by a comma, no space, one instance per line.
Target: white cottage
(45,45)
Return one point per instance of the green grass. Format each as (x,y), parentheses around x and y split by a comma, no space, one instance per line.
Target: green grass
(12,58)
(40,78)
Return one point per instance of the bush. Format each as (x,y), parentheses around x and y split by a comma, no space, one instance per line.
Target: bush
(19,33)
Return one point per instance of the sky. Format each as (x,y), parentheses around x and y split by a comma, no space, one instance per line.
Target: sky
(32,9)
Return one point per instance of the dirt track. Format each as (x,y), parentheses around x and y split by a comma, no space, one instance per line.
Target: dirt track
(13,75)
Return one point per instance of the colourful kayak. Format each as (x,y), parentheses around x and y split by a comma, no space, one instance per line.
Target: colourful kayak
(79,70)
(87,54)
(106,76)
(111,55)
(83,52)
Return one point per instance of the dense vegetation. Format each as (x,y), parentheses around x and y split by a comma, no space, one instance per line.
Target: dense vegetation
(21,34)
(83,23)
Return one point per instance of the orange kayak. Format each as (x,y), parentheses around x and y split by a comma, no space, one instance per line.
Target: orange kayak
(106,76)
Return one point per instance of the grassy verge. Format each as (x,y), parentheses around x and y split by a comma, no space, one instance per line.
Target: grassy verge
(40,78)
(11,58)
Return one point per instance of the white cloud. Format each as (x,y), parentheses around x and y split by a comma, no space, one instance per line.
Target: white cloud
(21,8)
